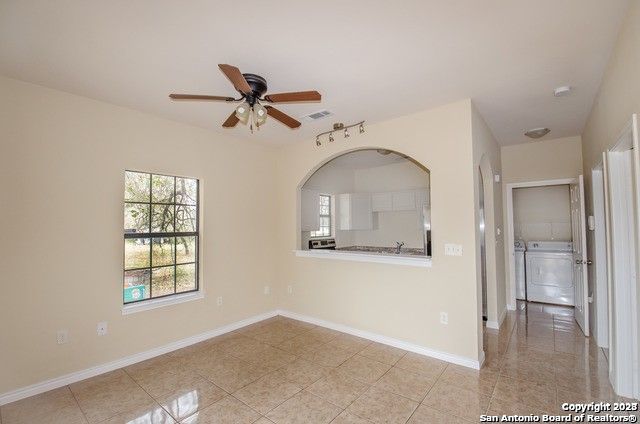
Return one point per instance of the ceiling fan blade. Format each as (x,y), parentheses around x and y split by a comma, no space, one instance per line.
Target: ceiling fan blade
(199,97)
(231,121)
(282,117)
(296,96)
(236,78)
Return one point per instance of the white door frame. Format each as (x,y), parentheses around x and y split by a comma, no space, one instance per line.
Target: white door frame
(623,165)
(509,239)
(598,273)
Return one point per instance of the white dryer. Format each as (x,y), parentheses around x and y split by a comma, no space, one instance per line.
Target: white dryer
(549,269)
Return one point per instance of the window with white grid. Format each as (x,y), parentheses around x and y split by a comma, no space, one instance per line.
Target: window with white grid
(325,217)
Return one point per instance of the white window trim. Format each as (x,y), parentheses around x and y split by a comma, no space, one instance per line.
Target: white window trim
(161,302)
(419,261)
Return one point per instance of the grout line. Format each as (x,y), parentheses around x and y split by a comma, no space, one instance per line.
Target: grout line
(68,386)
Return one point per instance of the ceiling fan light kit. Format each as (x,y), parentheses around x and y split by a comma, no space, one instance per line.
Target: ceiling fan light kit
(252,89)
(339,126)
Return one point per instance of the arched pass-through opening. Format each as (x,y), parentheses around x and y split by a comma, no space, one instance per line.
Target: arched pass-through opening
(367,203)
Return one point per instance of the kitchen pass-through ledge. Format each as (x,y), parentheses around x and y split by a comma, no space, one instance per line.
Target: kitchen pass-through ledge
(420,261)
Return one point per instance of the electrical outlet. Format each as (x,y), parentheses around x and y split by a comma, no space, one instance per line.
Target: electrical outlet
(267,290)
(444,318)
(453,249)
(102,328)
(63,336)
(219,300)
(290,289)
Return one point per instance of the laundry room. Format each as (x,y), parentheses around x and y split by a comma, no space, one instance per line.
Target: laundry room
(543,244)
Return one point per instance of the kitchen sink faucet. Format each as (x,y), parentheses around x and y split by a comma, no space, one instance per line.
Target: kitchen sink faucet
(398,247)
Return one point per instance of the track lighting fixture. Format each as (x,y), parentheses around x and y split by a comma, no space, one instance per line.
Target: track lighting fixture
(339,126)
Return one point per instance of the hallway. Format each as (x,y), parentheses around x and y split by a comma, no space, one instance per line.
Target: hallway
(543,360)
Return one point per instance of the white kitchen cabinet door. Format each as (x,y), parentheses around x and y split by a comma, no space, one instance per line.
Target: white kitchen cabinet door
(404,201)
(422,198)
(355,211)
(310,209)
(381,202)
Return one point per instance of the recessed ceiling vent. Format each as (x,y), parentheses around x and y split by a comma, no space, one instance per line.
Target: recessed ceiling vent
(317,115)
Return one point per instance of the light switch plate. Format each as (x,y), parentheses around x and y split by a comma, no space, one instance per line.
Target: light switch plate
(451,249)
(102,328)
(63,336)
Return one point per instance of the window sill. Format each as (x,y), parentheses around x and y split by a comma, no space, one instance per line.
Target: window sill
(419,261)
(160,303)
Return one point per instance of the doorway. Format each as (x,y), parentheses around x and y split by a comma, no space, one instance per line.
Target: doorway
(622,178)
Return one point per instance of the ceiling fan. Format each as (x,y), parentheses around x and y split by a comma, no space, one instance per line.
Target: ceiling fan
(252,89)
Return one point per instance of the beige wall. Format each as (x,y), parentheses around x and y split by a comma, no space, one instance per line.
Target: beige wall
(397,301)
(62,161)
(487,162)
(542,160)
(619,94)
(542,213)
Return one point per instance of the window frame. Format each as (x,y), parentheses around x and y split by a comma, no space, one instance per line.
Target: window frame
(320,215)
(175,297)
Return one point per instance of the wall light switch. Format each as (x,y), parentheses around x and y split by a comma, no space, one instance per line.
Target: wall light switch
(444,318)
(496,178)
(63,336)
(290,289)
(102,328)
(219,300)
(453,249)
(267,290)
(592,222)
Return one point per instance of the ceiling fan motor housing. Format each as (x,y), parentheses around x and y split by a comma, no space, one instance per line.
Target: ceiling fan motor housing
(258,87)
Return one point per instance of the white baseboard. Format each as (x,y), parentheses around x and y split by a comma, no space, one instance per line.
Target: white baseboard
(497,324)
(76,376)
(455,359)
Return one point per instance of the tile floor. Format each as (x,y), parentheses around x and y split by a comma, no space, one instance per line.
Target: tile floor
(286,371)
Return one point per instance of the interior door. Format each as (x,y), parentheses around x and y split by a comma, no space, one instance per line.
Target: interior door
(578,231)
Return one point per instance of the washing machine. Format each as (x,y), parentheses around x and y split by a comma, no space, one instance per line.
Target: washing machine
(549,272)
(519,248)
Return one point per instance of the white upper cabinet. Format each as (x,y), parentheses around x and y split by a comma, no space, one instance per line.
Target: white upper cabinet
(422,198)
(381,202)
(310,209)
(355,211)
(404,201)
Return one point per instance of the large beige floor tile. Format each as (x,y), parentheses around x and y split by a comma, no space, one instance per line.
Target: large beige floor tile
(304,408)
(268,392)
(328,356)
(505,407)
(467,404)
(226,411)
(532,393)
(364,369)
(347,417)
(338,389)
(108,395)
(58,406)
(406,383)
(383,353)
(190,398)
(302,343)
(303,373)
(151,413)
(482,381)
(381,406)
(427,415)
(350,343)
(430,367)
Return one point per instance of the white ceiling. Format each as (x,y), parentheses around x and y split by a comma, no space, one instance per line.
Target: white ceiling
(370,59)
